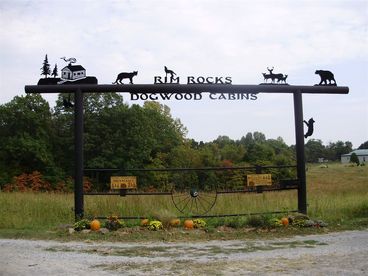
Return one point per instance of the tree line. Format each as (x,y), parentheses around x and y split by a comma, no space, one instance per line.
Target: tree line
(37,146)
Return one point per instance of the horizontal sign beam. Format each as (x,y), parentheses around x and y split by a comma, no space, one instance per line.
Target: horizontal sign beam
(187,88)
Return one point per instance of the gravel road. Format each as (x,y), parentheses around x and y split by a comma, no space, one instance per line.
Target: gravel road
(342,253)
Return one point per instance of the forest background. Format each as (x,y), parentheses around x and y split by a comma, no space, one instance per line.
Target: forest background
(37,146)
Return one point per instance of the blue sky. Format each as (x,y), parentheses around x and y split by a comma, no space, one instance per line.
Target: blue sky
(203,38)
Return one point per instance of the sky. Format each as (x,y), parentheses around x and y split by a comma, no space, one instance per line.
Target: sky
(216,38)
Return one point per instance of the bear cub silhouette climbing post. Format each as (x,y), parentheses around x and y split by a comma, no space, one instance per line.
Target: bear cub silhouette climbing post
(310,125)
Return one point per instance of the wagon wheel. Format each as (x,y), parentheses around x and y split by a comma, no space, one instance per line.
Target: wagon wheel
(194,201)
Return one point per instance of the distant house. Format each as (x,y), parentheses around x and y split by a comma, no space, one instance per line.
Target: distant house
(322,160)
(73,72)
(361,153)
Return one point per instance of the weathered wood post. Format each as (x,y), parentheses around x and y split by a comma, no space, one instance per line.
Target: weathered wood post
(78,151)
(300,155)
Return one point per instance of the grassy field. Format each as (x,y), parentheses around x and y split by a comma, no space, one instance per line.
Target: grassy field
(337,194)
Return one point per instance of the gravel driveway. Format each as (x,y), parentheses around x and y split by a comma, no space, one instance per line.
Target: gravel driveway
(343,253)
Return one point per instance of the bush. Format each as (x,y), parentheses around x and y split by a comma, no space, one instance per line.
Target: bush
(236,222)
(199,223)
(354,159)
(259,221)
(82,224)
(113,223)
(155,225)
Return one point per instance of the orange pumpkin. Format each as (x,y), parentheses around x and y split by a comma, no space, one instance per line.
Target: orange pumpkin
(188,224)
(144,222)
(285,221)
(174,222)
(95,225)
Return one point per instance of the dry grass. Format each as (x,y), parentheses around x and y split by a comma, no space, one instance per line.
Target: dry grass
(335,194)
(338,192)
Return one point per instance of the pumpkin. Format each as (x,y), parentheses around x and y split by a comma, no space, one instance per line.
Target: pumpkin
(188,224)
(144,222)
(174,222)
(285,221)
(95,225)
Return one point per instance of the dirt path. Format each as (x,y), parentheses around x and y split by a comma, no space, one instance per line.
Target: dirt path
(344,253)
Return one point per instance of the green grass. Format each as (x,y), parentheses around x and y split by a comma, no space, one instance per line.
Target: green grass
(337,194)
(35,210)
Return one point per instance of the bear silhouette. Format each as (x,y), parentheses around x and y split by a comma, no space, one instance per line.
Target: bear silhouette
(326,76)
(310,126)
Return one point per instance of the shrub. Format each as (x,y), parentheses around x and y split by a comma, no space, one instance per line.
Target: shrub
(236,222)
(155,225)
(113,223)
(82,224)
(199,223)
(354,159)
(259,221)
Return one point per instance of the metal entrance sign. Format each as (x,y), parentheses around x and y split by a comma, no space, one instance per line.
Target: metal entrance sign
(123,182)
(78,85)
(259,179)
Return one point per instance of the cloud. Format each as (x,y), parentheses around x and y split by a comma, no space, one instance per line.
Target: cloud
(215,38)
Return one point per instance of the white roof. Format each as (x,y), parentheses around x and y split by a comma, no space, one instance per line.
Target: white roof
(358,152)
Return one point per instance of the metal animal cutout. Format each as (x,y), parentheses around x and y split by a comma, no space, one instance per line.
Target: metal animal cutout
(326,76)
(70,60)
(67,103)
(281,78)
(171,72)
(125,75)
(310,125)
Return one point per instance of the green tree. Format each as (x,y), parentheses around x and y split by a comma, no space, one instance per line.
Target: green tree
(248,139)
(259,137)
(260,154)
(184,156)
(228,149)
(354,158)
(335,150)
(63,140)
(364,145)
(120,136)
(167,131)
(26,136)
(210,155)
(314,149)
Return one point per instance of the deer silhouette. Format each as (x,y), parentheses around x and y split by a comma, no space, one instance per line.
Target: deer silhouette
(282,79)
(266,76)
(270,70)
(271,75)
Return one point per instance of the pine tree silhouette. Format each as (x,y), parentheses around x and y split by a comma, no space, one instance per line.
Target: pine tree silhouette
(45,69)
(55,71)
